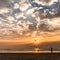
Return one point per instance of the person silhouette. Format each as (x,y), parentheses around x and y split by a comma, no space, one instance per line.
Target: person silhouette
(51,50)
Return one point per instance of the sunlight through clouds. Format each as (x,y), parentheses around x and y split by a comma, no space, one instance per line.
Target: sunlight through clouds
(29,17)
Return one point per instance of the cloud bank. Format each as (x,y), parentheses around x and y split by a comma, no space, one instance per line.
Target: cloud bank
(29,17)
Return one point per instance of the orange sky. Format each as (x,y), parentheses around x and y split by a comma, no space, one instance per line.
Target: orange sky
(30,39)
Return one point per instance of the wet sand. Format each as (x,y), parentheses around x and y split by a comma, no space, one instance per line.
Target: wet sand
(29,56)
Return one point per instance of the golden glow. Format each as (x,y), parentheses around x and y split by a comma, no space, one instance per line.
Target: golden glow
(30,40)
(36,41)
(36,50)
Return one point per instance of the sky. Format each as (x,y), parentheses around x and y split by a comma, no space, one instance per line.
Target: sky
(26,20)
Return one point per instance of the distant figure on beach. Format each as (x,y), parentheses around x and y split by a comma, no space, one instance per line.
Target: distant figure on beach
(51,50)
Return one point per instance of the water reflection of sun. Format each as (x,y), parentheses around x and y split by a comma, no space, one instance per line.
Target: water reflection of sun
(36,50)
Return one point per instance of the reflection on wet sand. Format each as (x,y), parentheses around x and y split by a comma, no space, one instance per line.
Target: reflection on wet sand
(35,51)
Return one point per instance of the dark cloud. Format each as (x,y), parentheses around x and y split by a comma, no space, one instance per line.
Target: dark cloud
(4,3)
(47,27)
(48,45)
(50,11)
(43,26)
(47,1)
(32,27)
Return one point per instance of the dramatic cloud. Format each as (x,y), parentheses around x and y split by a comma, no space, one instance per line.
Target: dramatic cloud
(50,26)
(29,17)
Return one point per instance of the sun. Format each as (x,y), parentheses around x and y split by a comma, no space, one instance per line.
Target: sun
(36,41)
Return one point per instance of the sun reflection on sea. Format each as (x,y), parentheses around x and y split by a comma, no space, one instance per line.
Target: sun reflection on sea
(36,50)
